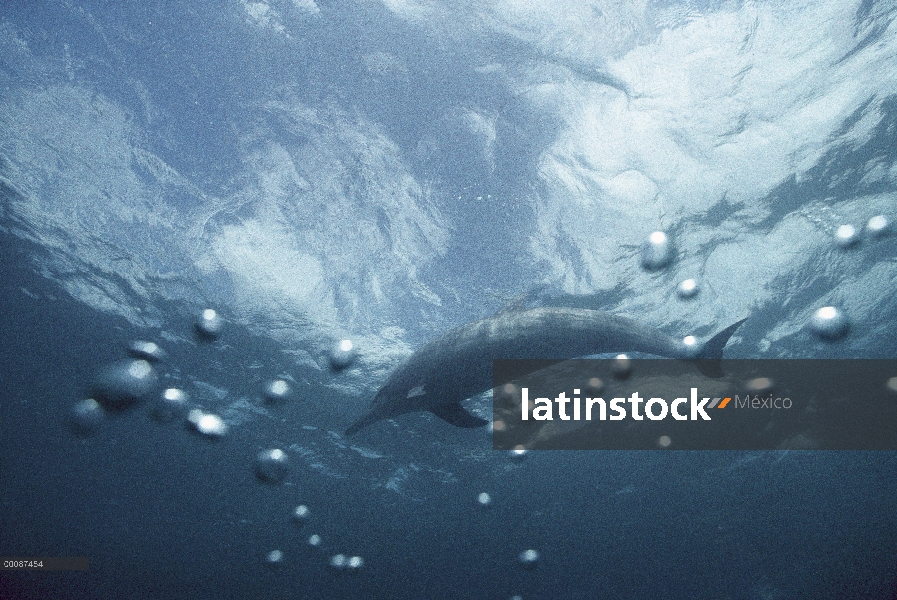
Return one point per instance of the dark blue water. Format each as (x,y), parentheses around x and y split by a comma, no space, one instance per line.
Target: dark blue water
(385,172)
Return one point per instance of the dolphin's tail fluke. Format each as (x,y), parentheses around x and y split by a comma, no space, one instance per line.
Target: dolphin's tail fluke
(712,353)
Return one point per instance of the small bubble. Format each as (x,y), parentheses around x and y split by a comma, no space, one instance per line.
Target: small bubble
(171,405)
(892,384)
(664,441)
(759,384)
(517,454)
(622,366)
(147,351)
(209,324)
(301,514)
(529,558)
(277,390)
(86,415)
(355,562)
(338,561)
(687,289)
(271,466)
(314,540)
(690,346)
(207,424)
(342,355)
(274,558)
(877,225)
(484,499)
(594,386)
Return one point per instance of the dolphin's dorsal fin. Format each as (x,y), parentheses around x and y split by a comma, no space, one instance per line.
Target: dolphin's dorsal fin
(457,416)
(416,391)
(513,305)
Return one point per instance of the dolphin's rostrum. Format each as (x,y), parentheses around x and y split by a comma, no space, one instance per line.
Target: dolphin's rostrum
(458,365)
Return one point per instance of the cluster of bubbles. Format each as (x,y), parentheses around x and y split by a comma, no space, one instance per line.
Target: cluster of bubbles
(126,383)
(337,562)
(657,253)
(829,322)
(341,562)
(119,386)
(529,558)
(847,235)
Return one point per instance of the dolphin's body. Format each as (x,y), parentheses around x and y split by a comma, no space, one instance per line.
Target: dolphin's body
(458,365)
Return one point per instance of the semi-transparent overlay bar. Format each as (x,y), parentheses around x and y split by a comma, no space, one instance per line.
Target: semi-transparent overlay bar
(664,404)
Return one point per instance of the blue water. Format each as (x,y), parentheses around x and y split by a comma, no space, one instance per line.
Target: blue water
(383,172)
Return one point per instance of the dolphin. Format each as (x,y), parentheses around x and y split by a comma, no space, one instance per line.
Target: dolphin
(458,365)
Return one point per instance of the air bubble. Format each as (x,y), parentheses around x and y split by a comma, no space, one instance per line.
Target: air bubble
(207,424)
(277,391)
(301,514)
(123,384)
(846,236)
(657,251)
(274,558)
(171,405)
(271,466)
(147,351)
(687,289)
(829,323)
(209,324)
(86,415)
(622,366)
(529,558)
(877,225)
(342,355)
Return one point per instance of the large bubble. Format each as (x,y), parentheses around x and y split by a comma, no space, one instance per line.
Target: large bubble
(829,323)
(125,383)
(657,251)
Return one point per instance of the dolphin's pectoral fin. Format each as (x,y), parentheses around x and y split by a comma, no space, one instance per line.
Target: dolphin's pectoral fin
(457,416)
(361,423)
